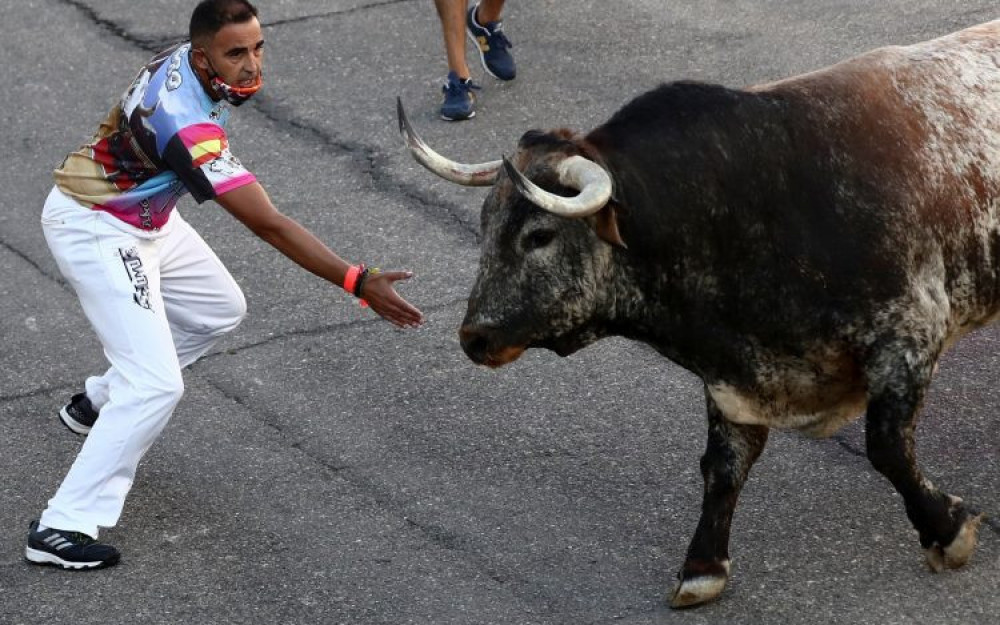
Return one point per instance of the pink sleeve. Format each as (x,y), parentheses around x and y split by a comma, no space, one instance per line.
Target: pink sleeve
(208,148)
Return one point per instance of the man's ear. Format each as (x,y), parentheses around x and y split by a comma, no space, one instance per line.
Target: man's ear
(605,224)
(198,59)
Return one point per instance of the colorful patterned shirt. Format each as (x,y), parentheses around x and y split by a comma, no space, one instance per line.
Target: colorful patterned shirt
(164,138)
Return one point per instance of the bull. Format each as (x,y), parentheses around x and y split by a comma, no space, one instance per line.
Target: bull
(809,248)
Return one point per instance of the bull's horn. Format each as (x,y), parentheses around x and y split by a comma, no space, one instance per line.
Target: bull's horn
(477,175)
(575,172)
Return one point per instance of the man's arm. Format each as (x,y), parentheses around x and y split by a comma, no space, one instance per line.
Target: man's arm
(252,206)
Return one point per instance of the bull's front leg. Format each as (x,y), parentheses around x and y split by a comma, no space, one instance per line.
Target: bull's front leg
(730,452)
(898,381)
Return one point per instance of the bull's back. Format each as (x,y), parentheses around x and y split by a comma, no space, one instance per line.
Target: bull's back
(914,133)
(901,149)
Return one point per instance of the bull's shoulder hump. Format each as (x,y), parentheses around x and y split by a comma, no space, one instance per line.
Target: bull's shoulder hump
(867,64)
(982,40)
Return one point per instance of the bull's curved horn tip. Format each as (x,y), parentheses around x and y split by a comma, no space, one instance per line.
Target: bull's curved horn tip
(512,172)
(520,180)
(400,114)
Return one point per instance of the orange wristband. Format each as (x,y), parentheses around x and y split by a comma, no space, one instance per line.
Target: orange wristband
(351,279)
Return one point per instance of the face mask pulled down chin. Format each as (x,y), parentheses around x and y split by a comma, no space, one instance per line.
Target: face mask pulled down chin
(235,95)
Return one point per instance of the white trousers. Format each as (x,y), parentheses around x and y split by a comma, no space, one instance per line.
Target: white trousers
(158,301)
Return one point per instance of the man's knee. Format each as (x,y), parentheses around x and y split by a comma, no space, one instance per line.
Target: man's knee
(234,312)
(225,317)
(166,390)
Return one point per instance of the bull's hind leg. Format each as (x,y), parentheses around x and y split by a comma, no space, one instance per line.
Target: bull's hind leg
(898,380)
(731,451)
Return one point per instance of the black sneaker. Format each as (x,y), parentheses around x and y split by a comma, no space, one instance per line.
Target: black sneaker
(79,414)
(68,550)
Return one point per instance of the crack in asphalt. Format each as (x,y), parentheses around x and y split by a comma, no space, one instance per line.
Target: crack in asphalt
(846,444)
(372,162)
(453,541)
(158,43)
(357,9)
(38,392)
(379,493)
(148,44)
(268,420)
(16,252)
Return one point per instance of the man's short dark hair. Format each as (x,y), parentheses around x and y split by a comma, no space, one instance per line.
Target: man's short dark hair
(210,16)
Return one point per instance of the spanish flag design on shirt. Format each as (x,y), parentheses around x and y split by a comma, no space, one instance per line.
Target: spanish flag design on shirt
(204,142)
(165,137)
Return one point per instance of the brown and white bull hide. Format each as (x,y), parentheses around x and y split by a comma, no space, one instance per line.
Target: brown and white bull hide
(808,247)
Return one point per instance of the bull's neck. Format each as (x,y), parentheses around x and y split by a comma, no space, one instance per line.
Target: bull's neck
(668,311)
(635,308)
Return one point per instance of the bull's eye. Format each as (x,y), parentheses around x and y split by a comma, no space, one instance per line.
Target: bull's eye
(538,239)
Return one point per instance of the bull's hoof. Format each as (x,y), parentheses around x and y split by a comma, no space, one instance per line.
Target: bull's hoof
(959,551)
(698,589)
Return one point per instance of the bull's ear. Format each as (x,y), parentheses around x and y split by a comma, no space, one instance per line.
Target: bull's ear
(605,224)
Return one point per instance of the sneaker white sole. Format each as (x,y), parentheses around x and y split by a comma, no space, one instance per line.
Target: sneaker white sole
(44,557)
(72,423)
(458,119)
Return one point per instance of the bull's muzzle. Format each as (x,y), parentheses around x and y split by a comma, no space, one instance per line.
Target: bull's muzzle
(484,345)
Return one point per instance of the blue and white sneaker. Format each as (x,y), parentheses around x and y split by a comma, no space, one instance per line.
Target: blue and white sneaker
(68,550)
(493,46)
(459,99)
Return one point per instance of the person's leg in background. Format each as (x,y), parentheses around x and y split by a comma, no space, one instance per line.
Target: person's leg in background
(485,29)
(459,100)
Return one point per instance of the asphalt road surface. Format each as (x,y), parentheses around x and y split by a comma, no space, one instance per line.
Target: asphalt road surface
(326,468)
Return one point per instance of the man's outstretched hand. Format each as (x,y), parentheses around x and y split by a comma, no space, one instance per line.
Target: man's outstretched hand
(379,292)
